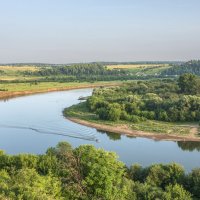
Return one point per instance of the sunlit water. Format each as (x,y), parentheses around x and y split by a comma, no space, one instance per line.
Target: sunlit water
(31,124)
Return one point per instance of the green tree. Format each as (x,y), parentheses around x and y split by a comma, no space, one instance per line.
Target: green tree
(163,175)
(188,84)
(194,183)
(176,192)
(103,174)
(27,184)
(114,112)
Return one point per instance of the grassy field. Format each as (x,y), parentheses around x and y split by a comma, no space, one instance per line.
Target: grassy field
(20,87)
(10,73)
(136,66)
(17,89)
(80,111)
(141,69)
(8,68)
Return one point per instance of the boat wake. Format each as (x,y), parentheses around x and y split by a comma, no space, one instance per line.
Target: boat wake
(57,131)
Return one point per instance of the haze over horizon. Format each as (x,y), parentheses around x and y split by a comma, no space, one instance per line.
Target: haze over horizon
(63,31)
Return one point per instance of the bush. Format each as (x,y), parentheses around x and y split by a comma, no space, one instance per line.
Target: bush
(135,119)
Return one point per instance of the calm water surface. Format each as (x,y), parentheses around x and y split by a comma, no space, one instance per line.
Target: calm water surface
(31,124)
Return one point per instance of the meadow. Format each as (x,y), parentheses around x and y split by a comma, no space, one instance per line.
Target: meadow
(141,69)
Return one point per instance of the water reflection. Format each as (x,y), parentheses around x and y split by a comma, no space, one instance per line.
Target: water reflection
(184,145)
(114,136)
(111,136)
(189,146)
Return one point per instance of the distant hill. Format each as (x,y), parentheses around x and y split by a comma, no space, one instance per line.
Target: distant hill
(192,67)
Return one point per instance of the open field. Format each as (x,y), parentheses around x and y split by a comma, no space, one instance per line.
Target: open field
(17,89)
(141,69)
(18,78)
(149,128)
(15,73)
(17,68)
(136,66)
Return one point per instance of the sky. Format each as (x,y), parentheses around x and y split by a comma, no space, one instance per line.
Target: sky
(65,31)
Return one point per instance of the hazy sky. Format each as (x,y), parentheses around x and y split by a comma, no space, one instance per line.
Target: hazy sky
(63,31)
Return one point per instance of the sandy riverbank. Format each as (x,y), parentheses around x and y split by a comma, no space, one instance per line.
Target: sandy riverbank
(125,130)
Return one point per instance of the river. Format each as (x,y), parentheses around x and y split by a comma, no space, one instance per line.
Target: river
(31,124)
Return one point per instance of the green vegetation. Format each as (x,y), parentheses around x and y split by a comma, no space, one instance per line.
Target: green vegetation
(189,84)
(192,67)
(87,173)
(87,72)
(155,100)
(81,111)
(142,70)
(163,106)
(40,86)
(36,77)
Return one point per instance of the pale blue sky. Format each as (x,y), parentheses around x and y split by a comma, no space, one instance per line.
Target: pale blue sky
(63,31)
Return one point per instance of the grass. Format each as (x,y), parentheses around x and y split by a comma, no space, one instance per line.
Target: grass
(10,73)
(15,73)
(161,127)
(16,68)
(18,78)
(136,66)
(17,87)
(141,69)
(80,111)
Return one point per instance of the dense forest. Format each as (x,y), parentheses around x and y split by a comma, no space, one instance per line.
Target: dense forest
(192,67)
(87,173)
(164,100)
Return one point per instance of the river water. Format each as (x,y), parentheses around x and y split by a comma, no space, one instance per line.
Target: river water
(31,124)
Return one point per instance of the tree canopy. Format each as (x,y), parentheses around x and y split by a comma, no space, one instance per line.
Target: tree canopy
(86,173)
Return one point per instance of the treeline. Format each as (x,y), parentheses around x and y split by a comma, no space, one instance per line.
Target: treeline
(76,70)
(192,67)
(164,100)
(78,73)
(87,173)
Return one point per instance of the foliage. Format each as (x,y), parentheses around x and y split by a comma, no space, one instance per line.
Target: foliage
(176,192)
(192,67)
(163,100)
(88,173)
(28,184)
(189,84)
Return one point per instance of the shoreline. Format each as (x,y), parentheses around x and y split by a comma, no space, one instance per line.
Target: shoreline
(135,133)
(122,130)
(4,95)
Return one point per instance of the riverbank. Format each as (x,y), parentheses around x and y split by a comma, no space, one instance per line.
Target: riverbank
(79,114)
(124,130)
(21,89)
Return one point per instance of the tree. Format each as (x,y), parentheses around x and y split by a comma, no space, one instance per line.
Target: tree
(27,184)
(163,175)
(103,113)
(103,174)
(194,182)
(114,112)
(189,84)
(176,192)
(144,191)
